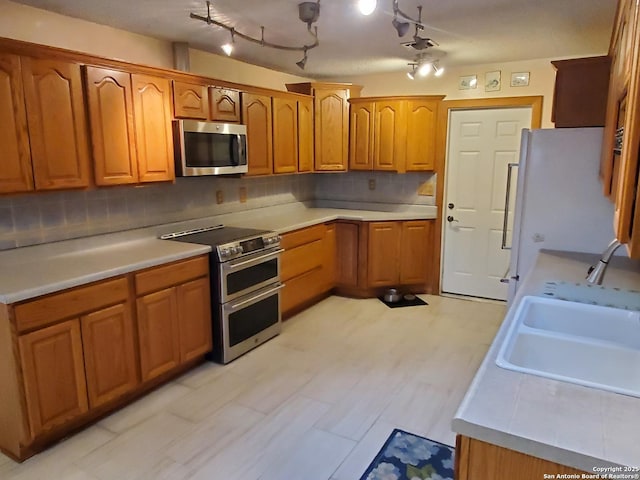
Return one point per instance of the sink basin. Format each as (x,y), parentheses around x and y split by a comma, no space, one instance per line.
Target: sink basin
(589,345)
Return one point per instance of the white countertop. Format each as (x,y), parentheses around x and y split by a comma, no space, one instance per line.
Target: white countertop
(29,272)
(572,425)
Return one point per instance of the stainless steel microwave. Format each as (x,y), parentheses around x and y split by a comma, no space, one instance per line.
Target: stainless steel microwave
(209,148)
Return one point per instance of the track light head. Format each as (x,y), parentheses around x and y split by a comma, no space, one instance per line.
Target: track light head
(227,48)
(366,7)
(437,69)
(302,63)
(401,27)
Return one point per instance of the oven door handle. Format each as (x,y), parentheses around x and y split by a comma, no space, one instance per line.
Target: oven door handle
(251,261)
(257,298)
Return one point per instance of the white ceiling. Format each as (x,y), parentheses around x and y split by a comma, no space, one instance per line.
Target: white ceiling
(469,31)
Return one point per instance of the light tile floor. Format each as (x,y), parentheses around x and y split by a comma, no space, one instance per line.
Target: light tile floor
(315,403)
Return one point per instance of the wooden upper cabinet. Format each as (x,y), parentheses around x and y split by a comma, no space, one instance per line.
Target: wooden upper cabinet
(109,353)
(54,376)
(285,135)
(421,116)
(256,111)
(112,126)
(225,105)
(305,135)
(57,123)
(331,129)
(16,174)
(389,136)
(361,136)
(580,94)
(154,138)
(190,100)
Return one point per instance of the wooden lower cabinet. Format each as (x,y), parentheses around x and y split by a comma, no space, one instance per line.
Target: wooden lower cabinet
(347,253)
(109,353)
(54,376)
(174,315)
(399,253)
(158,333)
(477,460)
(307,266)
(69,357)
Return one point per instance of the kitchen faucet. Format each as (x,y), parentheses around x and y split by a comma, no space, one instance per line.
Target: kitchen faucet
(595,274)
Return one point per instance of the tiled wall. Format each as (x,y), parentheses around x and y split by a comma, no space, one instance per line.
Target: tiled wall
(387,187)
(47,217)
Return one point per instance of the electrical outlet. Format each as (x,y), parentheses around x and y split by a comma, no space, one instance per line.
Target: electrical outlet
(372,184)
(242,193)
(219,197)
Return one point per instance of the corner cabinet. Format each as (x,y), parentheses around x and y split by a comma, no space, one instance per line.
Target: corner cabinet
(331,122)
(130,117)
(477,460)
(44,128)
(393,133)
(619,168)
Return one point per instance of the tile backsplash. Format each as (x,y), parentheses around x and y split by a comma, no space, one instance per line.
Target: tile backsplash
(32,219)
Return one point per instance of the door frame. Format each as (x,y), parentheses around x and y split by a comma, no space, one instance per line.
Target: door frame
(442,134)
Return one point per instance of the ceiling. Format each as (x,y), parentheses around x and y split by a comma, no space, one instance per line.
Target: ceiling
(469,32)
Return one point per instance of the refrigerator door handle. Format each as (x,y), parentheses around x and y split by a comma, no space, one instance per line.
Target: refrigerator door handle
(505,221)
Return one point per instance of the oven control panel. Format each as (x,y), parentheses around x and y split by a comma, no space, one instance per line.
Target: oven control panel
(239,248)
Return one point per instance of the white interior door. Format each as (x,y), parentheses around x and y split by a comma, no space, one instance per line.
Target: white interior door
(481,144)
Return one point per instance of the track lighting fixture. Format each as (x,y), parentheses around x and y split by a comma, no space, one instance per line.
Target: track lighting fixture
(424,69)
(423,65)
(366,7)
(302,62)
(412,73)
(401,27)
(308,12)
(437,69)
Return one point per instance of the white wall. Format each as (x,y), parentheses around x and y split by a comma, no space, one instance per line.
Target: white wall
(541,82)
(35,25)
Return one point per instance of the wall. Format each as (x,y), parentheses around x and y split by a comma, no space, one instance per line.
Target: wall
(542,79)
(48,217)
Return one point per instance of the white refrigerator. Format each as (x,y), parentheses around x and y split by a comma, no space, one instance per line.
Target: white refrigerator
(559,203)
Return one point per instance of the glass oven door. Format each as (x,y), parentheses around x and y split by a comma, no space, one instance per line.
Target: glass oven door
(249,321)
(246,274)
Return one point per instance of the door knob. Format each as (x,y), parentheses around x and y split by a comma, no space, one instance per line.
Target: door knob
(451,205)
(450,219)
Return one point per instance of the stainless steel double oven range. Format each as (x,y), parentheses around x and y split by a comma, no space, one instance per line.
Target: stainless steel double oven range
(245,286)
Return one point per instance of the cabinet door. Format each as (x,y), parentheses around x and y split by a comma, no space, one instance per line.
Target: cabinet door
(347,249)
(421,118)
(305,135)
(361,136)
(225,105)
(112,126)
(54,377)
(190,100)
(389,136)
(57,123)
(158,333)
(285,135)
(194,313)
(331,130)
(384,248)
(109,353)
(154,139)
(16,174)
(256,111)
(415,252)
(329,254)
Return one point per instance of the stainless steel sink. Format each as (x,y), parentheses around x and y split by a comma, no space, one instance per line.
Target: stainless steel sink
(589,345)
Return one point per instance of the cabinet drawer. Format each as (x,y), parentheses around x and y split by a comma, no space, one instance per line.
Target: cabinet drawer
(302,288)
(301,259)
(161,277)
(70,303)
(300,237)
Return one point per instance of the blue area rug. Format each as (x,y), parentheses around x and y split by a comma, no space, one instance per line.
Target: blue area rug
(405,456)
